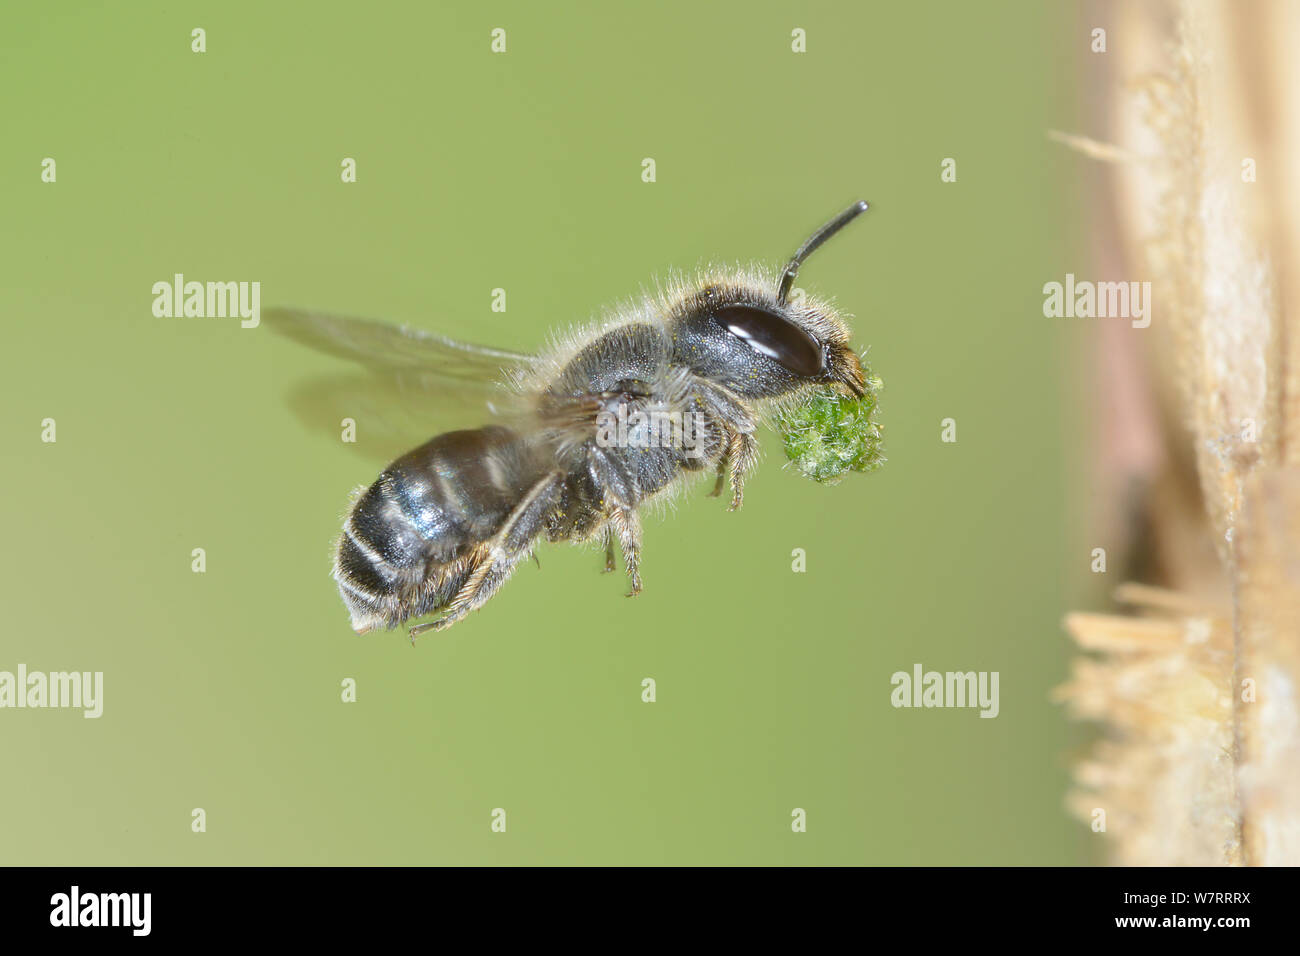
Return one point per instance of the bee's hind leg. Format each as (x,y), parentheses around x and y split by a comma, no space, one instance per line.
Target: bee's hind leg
(491,568)
(496,558)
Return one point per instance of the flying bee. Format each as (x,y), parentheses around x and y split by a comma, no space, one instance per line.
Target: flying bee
(583,434)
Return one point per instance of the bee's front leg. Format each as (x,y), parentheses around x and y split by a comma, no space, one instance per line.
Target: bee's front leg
(740,449)
(627,525)
(740,457)
(609,552)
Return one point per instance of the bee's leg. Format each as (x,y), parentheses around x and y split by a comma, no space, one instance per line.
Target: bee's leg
(496,558)
(722,472)
(415,630)
(609,551)
(736,422)
(627,525)
(471,594)
(741,456)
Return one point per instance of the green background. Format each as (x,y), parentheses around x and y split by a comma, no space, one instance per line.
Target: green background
(523,171)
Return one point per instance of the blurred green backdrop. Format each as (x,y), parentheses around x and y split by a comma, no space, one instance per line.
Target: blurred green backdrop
(523,171)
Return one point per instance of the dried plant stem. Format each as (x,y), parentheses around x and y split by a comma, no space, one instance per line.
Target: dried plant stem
(1204,764)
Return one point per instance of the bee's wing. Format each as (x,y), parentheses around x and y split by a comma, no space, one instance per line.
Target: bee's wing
(414,385)
(381,345)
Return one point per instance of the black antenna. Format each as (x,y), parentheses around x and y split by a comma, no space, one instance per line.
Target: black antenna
(815,240)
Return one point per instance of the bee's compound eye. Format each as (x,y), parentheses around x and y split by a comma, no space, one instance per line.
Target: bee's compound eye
(775,336)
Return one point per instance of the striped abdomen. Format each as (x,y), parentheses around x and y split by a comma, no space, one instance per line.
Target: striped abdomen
(406,540)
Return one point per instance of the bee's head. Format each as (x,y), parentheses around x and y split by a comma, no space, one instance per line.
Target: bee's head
(747,334)
(804,345)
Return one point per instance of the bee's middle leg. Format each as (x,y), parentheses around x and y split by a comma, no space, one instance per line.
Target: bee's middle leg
(496,558)
(722,478)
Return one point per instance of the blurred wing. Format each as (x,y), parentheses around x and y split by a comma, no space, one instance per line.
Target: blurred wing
(415,385)
(382,346)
